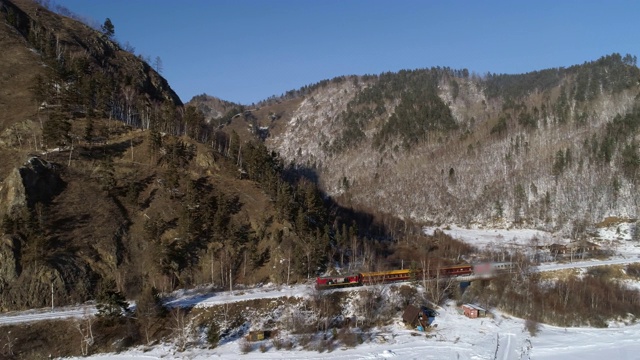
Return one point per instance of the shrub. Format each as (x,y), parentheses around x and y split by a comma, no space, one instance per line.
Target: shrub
(304,340)
(348,338)
(633,270)
(603,272)
(288,345)
(263,347)
(532,327)
(407,294)
(323,345)
(245,346)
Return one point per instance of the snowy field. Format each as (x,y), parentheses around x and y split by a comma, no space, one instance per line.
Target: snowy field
(616,238)
(456,337)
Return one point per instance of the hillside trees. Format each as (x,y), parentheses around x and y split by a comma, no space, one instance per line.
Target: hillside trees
(298,202)
(212,242)
(609,73)
(591,300)
(420,111)
(194,123)
(630,161)
(86,77)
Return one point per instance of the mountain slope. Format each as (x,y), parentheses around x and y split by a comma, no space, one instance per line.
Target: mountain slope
(109,184)
(555,149)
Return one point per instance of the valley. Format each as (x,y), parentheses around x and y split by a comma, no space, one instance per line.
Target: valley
(136,225)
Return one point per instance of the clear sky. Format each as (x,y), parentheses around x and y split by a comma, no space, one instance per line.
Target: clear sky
(247,50)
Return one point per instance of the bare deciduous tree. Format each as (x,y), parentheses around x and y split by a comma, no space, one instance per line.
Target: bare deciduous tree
(180,327)
(157,64)
(85,328)
(7,348)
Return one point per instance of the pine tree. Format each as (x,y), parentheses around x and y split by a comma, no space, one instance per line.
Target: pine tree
(213,334)
(108,29)
(110,302)
(55,131)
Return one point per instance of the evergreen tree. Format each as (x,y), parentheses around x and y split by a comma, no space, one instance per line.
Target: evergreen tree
(105,174)
(234,145)
(110,302)
(108,29)
(55,131)
(213,334)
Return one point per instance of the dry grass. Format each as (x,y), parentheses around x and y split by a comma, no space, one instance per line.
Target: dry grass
(559,274)
(612,221)
(61,338)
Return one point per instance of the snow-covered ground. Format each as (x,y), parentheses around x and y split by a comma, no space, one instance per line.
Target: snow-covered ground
(482,238)
(455,337)
(616,238)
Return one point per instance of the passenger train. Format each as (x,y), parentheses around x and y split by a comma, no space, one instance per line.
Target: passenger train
(378,277)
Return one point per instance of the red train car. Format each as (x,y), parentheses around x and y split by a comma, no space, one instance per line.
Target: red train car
(326,282)
(458,270)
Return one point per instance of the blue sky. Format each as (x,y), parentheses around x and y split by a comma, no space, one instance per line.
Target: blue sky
(245,51)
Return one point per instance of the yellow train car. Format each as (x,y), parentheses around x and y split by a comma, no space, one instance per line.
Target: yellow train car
(385,276)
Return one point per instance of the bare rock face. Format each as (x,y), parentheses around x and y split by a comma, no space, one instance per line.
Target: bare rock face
(205,161)
(32,289)
(36,181)
(40,180)
(12,193)
(9,262)
(21,284)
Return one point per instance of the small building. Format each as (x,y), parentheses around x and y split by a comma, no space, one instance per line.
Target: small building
(473,311)
(419,318)
(261,335)
(557,249)
(585,246)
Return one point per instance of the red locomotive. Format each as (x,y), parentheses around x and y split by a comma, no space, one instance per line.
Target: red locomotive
(326,282)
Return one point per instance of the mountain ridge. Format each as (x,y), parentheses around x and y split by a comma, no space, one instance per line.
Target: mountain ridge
(513,125)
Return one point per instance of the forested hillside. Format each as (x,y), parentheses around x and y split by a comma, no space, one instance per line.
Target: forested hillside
(110,186)
(555,149)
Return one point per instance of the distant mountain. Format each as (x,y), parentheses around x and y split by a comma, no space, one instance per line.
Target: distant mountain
(555,149)
(213,108)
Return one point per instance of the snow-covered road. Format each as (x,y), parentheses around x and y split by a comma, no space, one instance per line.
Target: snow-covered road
(586,264)
(47,314)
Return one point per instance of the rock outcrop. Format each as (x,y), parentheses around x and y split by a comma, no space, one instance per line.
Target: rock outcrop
(36,181)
